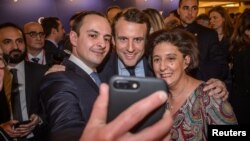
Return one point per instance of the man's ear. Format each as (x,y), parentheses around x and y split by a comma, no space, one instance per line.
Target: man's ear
(187,60)
(178,10)
(53,31)
(73,38)
(247,32)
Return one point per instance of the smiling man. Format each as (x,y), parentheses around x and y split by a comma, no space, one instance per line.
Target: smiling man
(130,32)
(68,96)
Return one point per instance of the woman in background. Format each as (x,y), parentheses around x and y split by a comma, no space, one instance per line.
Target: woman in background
(221,22)
(155,19)
(174,54)
(240,68)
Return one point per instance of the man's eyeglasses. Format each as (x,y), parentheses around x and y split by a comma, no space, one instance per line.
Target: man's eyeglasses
(34,34)
(2,63)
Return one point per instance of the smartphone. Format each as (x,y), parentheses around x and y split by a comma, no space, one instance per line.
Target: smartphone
(124,91)
(21,122)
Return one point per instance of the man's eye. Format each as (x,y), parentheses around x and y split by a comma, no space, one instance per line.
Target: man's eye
(20,41)
(7,41)
(138,40)
(185,8)
(107,39)
(122,39)
(93,35)
(195,8)
(32,34)
(171,58)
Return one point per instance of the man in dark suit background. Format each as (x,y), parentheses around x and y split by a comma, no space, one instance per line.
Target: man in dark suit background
(28,75)
(35,41)
(212,63)
(54,33)
(68,96)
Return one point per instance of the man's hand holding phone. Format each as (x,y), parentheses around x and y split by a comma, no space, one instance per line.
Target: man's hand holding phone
(17,125)
(26,127)
(119,129)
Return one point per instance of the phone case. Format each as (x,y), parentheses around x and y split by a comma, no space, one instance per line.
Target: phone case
(124,91)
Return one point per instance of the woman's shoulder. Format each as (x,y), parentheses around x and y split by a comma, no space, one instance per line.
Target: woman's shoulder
(199,89)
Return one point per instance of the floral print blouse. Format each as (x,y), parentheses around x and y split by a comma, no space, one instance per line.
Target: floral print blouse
(200,110)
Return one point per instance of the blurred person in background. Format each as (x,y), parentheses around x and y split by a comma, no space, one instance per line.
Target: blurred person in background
(220,21)
(240,52)
(35,38)
(203,19)
(112,12)
(212,60)
(172,20)
(155,19)
(54,33)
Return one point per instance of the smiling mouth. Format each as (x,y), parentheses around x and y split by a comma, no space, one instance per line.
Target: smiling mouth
(98,52)
(165,75)
(130,56)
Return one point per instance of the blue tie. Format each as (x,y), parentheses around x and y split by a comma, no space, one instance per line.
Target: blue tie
(131,71)
(95,76)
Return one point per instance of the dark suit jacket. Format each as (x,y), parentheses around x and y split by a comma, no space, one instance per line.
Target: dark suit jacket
(67,99)
(110,68)
(33,75)
(53,54)
(213,61)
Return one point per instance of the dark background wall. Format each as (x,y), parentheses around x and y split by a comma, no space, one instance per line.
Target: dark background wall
(23,11)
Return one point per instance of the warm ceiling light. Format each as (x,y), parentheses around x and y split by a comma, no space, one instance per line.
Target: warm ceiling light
(232,5)
(15,0)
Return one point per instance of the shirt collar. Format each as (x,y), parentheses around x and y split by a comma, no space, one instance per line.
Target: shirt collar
(40,55)
(55,43)
(17,66)
(138,65)
(80,63)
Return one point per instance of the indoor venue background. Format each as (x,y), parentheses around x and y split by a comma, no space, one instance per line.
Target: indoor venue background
(22,11)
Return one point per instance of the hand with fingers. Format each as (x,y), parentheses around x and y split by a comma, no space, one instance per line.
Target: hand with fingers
(55,68)
(28,127)
(118,129)
(8,128)
(217,89)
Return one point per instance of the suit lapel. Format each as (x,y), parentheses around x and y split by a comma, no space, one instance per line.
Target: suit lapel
(147,69)
(28,75)
(76,69)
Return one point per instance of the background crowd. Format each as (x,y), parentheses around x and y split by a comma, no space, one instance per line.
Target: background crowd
(52,79)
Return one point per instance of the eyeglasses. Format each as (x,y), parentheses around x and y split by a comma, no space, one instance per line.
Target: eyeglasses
(2,63)
(34,34)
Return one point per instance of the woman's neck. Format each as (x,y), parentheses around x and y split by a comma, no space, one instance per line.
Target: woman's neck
(179,88)
(219,31)
(180,93)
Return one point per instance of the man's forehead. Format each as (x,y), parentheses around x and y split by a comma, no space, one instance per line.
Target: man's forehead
(10,33)
(123,20)
(34,27)
(10,30)
(189,3)
(93,19)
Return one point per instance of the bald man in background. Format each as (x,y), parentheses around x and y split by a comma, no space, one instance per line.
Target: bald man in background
(35,39)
